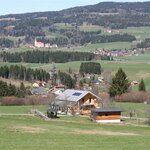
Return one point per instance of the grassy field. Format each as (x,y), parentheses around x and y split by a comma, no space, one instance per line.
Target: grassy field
(134,70)
(69,133)
(139,58)
(21,109)
(90,28)
(141,33)
(84,48)
(63,26)
(109,46)
(139,108)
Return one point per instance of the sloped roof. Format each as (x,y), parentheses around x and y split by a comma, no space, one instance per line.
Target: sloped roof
(106,110)
(62,103)
(74,95)
(38,90)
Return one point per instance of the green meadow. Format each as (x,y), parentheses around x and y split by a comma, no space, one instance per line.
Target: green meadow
(84,48)
(21,109)
(143,58)
(72,133)
(90,28)
(141,33)
(20,130)
(139,108)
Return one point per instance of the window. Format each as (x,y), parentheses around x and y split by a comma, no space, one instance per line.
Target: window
(82,100)
(89,100)
(76,94)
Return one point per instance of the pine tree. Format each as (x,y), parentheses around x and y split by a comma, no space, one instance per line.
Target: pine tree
(21,91)
(22,87)
(142,86)
(119,83)
(12,89)
(4,90)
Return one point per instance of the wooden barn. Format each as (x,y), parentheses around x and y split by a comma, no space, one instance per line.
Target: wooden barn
(106,115)
(76,101)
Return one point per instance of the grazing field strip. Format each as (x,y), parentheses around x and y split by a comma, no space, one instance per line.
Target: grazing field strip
(32,133)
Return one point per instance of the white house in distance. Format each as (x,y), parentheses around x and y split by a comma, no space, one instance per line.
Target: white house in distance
(39,44)
(44,45)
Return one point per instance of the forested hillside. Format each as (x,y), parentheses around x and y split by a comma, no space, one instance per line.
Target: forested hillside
(22,29)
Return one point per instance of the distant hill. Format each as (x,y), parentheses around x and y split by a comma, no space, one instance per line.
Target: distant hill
(23,29)
(104,7)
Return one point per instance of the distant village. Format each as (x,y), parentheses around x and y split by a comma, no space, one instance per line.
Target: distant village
(116,53)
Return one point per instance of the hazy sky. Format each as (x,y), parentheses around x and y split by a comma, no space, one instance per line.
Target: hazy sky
(23,6)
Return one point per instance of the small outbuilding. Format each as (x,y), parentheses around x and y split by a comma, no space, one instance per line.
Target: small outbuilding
(108,115)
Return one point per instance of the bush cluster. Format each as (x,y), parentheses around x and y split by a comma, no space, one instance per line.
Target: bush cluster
(134,97)
(29,100)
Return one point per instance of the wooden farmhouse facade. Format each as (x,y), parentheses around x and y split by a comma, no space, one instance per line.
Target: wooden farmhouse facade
(106,115)
(76,101)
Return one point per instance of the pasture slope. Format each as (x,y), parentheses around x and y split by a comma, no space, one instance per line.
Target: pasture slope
(20,132)
(72,133)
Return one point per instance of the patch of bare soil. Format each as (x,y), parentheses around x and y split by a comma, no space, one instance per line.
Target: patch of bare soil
(29,129)
(95,132)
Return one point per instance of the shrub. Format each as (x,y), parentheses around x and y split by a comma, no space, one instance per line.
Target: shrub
(120,83)
(29,100)
(134,97)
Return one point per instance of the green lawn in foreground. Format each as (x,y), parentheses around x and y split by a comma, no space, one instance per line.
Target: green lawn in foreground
(69,133)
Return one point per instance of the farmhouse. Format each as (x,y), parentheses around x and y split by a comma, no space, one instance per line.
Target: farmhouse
(106,115)
(76,101)
(38,44)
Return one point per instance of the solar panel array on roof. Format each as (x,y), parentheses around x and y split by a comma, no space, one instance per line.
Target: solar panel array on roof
(76,94)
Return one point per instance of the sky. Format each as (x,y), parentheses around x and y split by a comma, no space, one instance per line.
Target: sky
(24,6)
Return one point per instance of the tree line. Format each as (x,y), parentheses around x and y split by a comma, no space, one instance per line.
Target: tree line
(31,25)
(66,79)
(12,90)
(37,56)
(144,44)
(74,36)
(90,67)
(6,43)
(23,73)
(120,84)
